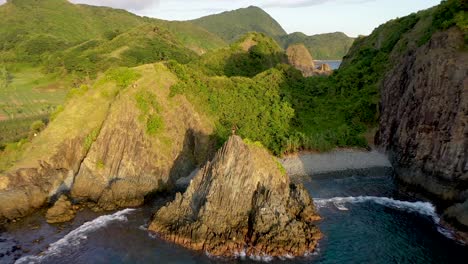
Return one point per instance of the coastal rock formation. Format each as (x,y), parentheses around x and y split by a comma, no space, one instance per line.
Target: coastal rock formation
(99,149)
(424,118)
(239,202)
(125,164)
(300,58)
(324,67)
(62,211)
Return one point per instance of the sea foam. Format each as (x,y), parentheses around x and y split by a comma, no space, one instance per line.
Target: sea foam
(75,237)
(423,208)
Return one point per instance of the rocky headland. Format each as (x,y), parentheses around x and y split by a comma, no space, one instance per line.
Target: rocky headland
(242,202)
(424,117)
(100,151)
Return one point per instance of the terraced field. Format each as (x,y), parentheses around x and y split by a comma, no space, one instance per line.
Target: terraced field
(30,96)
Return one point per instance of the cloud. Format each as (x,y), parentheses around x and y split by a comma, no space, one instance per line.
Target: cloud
(133,5)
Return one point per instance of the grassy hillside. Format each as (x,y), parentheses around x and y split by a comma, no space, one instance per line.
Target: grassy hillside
(31,28)
(233,24)
(50,46)
(331,46)
(245,85)
(192,36)
(144,44)
(250,55)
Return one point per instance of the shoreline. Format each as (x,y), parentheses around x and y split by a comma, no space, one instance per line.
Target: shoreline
(306,163)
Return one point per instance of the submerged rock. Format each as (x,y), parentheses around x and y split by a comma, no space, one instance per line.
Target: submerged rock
(242,201)
(62,211)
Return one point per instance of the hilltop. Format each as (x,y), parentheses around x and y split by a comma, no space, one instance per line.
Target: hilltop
(322,46)
(231,25)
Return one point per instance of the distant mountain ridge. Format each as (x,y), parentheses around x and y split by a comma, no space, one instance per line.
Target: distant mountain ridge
(231,25)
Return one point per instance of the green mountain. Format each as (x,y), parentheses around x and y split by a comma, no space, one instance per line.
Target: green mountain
(231,25)
(322,46)
(52,22)
(250,55)
(32,28)
(50,46)
(144,44)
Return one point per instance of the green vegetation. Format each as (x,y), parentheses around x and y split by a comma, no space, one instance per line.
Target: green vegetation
(448,13)
(150,112)
(90,138)
(331,46)
(37,126)
(10,153)
(192,36)
(123,76)
(245,85)
(250,55)
(5,78)
(280,166)
(233,24)
(100,164)
(14,130)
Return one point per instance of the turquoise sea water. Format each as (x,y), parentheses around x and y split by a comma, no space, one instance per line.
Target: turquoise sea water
(365,220)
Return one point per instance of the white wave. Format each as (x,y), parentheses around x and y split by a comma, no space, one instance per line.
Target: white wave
(262,258)
(75,237)
(424,208)
(340,206)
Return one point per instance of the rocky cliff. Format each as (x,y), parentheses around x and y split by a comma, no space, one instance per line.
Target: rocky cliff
(424,118)
(113,144)
(241,201)
(300,58)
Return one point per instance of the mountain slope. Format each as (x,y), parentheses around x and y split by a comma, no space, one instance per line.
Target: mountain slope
(31,28)
(233,24)
(59,19)
(331,46)
(250,55)
(143,44)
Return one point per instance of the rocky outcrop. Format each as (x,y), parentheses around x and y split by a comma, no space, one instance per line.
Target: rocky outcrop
(62,211)
(300,58)
(324,67)
(99,151)
(125,164)
(424,119)
(241,202)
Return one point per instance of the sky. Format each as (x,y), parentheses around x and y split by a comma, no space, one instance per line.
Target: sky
(353,17)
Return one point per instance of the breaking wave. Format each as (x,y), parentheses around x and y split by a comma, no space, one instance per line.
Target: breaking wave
(75,237)
(423,208)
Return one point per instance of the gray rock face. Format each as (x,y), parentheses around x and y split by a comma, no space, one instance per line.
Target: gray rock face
(241,202)
(424,117)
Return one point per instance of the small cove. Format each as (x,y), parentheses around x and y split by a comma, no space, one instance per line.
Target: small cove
(365,220)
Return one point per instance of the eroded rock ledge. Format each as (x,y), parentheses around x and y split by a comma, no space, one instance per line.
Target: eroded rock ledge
(241,202)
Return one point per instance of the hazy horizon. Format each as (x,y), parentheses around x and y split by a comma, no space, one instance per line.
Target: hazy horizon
(352,17)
